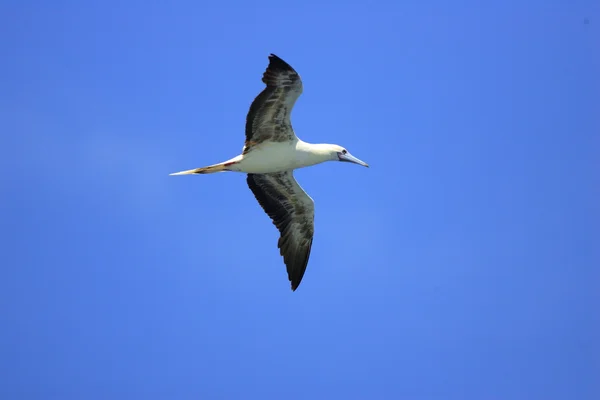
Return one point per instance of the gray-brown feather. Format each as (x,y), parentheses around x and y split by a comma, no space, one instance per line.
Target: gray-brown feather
(269,116)
(292,212)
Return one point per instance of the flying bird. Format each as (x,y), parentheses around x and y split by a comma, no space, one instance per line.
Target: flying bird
(271,153)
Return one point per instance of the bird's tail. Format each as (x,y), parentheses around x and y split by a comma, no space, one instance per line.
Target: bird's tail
(222,167)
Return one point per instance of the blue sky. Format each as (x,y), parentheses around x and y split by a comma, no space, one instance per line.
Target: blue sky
(462,265)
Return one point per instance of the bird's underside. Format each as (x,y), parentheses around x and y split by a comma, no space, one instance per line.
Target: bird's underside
(271,152)
(289,207)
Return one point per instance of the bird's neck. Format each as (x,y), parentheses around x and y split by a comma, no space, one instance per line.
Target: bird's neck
(315,153)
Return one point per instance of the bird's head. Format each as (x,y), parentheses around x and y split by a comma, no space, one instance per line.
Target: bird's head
(339,153)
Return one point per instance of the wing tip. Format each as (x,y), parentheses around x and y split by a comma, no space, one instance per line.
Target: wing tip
(295,281)
(277,62)
(278,66)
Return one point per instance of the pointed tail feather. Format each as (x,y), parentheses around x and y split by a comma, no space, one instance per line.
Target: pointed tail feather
(204,170)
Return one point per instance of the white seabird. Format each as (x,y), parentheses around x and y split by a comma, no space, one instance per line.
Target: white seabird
(271,153)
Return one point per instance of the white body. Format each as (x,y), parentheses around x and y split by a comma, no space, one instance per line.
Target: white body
(272,157)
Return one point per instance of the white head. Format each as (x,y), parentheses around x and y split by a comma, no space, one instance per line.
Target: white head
(338,153)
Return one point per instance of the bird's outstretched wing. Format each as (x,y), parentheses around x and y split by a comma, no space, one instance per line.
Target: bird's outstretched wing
(269,116)
(292,212)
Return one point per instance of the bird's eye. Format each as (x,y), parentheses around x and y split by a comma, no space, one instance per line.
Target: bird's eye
(344,151)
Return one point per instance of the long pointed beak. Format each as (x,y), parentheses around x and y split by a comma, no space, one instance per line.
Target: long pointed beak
(350,158)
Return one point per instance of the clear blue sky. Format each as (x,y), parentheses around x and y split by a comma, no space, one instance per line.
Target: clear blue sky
(464,264)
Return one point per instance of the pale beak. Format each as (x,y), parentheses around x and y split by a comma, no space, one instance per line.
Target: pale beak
(350,158)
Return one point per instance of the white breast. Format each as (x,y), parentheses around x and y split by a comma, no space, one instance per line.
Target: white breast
(276,157)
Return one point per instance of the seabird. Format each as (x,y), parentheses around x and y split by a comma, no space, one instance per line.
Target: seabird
(271,153)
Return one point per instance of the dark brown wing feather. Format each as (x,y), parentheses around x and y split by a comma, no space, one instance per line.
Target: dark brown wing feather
(269,116)
(292,212)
